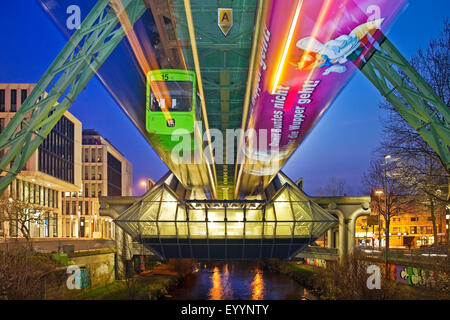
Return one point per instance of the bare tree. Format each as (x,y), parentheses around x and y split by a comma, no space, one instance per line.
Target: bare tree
(335,187)
(427,180)
(21,215)
(393,198)
(422,170)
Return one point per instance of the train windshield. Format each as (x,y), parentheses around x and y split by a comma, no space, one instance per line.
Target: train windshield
(172,96)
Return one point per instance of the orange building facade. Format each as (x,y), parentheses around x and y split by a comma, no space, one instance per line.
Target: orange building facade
(413,229)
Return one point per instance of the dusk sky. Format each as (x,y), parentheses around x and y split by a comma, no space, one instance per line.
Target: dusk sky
(340,145)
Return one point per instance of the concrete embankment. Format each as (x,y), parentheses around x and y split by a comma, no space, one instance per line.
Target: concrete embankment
(151,284)
(305,275)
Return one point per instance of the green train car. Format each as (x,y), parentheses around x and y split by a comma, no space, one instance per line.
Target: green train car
(173,110)
(172,103)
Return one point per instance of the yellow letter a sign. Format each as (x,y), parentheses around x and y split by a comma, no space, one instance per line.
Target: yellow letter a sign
(225,20)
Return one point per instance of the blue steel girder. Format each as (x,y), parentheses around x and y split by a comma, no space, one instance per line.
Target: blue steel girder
(67,76)
(411,96)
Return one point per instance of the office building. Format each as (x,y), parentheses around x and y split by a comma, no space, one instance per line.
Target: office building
(105,172)
(54,169)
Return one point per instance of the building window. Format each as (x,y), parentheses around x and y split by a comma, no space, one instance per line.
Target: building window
(32,193)
(13,107)
(54,225)
(2,100)
(99,190)
(114,176)
(37,193)
(26,192)
(23,96)
(414,219)
(86,190)
(46,196)
(413,230)
(41,196)
(99,172)
(93,152)
(93,190)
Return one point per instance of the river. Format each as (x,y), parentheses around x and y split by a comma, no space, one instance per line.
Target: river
(237,281)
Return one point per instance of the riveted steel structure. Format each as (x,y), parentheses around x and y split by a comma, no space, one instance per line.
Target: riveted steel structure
(411,96)
(83,55)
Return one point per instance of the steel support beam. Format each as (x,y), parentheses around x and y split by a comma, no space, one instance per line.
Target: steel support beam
(83,55)
(411,96)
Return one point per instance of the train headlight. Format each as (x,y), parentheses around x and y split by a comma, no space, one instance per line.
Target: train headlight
(171,123)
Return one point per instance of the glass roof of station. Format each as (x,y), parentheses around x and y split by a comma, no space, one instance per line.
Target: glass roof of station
(288,214)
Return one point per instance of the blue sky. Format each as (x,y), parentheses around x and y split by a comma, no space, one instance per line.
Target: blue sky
(340,145)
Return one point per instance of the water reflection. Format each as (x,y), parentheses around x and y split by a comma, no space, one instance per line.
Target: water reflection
(216,291)
(237,281)
(258,286)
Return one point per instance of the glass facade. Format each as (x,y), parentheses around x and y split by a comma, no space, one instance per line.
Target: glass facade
(2,100)
(13,106)
(34,194)
(23,95)
(114,176)
(56,153)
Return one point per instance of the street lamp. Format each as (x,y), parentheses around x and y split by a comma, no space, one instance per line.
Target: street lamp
(379,193)
(386,213)
(144,185)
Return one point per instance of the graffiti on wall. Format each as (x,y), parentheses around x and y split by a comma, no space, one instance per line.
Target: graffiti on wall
(316,262)
(416,276)
(413,276)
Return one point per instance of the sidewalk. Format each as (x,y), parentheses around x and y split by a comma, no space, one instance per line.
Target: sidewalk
(52,245)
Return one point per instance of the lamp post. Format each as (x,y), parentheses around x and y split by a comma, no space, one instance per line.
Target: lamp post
(379,193)
(386,214)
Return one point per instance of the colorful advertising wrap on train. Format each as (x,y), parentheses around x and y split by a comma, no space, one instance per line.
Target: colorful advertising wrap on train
(307,52)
